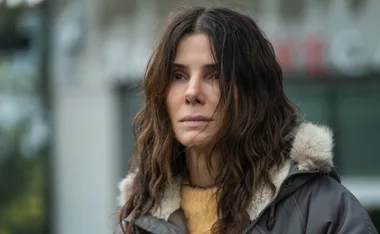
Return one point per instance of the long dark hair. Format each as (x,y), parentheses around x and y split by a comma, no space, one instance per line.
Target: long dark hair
(258,117)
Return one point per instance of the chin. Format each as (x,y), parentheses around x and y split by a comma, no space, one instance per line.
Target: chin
(194,140)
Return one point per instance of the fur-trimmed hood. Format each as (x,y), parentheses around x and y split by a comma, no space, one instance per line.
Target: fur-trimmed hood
(311,150)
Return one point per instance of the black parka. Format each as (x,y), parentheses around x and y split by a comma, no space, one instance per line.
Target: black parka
(309,196)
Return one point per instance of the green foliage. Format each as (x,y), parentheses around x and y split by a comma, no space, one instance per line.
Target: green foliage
(8,20)
(22,186)
(23,179)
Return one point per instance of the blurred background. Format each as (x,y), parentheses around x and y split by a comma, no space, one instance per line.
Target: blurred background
(70,73)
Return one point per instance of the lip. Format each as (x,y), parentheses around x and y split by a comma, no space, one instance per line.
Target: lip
(195,118)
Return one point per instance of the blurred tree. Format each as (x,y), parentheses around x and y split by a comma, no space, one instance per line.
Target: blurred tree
(10,39)
(22,183)
(8,20)
(23,177)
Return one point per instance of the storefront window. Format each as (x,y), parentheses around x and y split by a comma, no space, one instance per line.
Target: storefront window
(351,109)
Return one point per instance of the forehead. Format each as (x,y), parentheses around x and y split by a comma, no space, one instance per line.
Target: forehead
(194,49)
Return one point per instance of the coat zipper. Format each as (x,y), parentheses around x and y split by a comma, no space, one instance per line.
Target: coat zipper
(249,227)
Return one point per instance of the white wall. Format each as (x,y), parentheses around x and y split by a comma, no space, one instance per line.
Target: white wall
(85,124)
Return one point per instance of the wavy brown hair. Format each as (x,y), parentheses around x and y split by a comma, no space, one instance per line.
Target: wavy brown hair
(255,134)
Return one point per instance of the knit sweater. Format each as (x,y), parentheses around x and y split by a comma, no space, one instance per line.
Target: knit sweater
(200,208)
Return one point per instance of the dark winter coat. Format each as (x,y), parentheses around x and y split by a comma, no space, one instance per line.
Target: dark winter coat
(309,196)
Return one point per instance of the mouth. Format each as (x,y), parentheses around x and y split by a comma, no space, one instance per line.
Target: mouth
(196,120)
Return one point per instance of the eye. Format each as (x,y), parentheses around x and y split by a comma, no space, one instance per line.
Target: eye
(178,76)
(214,76)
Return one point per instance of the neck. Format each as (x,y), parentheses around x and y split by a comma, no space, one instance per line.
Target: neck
(199,174)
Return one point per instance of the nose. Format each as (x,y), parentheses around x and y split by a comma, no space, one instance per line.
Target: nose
(194,93)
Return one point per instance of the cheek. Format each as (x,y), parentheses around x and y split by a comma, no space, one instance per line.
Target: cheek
(215,98)
(215,92)
(170,104)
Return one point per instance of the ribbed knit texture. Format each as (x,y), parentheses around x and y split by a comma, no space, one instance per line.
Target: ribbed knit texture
(200,208)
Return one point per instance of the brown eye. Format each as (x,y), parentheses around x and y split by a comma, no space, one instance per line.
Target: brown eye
(178,76)
(214,76)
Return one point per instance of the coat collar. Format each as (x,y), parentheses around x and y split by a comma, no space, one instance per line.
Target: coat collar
(311,150)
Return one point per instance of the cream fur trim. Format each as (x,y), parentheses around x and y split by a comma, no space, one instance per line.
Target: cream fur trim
(312,147)
(262,198)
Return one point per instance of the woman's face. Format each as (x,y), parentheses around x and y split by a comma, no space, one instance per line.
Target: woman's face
(194,92)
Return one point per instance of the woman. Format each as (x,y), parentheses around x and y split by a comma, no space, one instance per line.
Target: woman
(220,148)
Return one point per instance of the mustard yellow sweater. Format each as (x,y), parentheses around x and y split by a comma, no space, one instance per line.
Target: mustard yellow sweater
(200,208)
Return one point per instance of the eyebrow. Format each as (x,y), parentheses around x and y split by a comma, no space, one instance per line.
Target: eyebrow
(211,65)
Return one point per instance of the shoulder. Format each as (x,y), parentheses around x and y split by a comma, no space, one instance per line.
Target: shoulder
(329,205)
(329,188)
(325,195)
(324,189)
